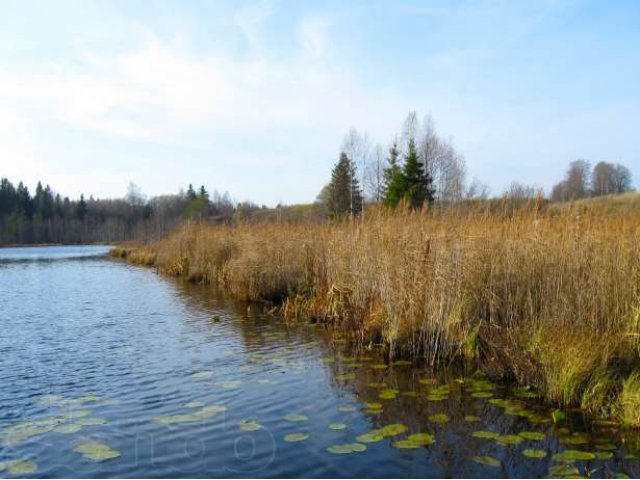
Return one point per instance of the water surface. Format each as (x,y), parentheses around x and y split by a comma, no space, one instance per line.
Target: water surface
(175,380)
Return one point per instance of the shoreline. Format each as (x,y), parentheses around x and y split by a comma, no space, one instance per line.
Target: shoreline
(544,301)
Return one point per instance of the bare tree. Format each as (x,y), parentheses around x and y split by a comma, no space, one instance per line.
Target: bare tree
(517,190)
(374,175)
(443,163)
(575,184)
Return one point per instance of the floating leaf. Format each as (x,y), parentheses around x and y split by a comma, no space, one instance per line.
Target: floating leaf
(575,439)
(374,405)
(428,381)
(415,440)
(485,434)
(77,414)
(536,436)
(605,445)
(22,467)
(346,448)
(563,470)
(371,437)
(604,455)
(68,428)
(487,460)
(439,418)
(434,397)
(337,426)
(472,418)
(201,374)
(509,439)
(294,417)
(91,421)
(388,394)
(246,426)
(373,411)
(347,408)
(538,419)
(346,376)
(376,384)
(229,384)
(379,366)
(533,453)
(96,451)
(393,429)
(296,437)
(573,455)
(401,363)
(482,394)
(194,404)
(197,416)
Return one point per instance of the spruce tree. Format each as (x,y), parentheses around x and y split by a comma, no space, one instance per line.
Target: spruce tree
(344,192)
(414,177)
(394,184)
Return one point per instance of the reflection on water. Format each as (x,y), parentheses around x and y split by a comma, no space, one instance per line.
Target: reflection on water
(110,370)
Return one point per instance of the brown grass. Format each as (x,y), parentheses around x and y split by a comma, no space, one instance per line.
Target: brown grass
(543,295)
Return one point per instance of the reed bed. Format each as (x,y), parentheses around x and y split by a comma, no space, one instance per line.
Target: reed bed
(540,295)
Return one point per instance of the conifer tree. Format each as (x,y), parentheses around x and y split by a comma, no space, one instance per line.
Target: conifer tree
(344,192)
(414,177)
(394,184)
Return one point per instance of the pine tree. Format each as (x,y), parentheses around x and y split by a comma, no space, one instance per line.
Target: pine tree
(414,177)
(81,208)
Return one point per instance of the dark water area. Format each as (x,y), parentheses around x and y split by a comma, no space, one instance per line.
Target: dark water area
(110,370)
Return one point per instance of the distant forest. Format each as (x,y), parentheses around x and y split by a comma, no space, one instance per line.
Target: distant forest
(418,168)
(47,217)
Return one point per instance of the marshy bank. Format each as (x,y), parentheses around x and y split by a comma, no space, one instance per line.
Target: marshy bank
(542,296)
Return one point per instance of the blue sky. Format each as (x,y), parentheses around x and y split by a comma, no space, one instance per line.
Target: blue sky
(255,98)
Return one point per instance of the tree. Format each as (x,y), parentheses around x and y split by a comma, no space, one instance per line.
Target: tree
(81,208)
(622,177)
(191,193)
(575,184)
(415,179)
(394,181)
(344,193)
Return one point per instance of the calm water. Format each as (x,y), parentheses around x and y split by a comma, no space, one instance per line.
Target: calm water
(180,382)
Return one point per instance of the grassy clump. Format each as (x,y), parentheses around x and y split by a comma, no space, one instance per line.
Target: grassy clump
(545,295)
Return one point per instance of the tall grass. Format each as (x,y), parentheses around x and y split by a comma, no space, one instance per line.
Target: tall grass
(545,296)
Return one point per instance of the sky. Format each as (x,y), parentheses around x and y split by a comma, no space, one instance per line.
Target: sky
(255,98)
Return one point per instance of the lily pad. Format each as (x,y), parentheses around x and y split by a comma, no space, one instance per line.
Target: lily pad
(296,437)
(202,374)
(563,470)
(346,376)
(509,439)
(371,437)
(194,404)
(388,394)
(347,408)
(485,434)
(337,426)
(535,436)
(294,417)
(472,418)
(574,455)
(435,397)
(533,453)
(604,455)
(487,460)
(22,467)
(91,421)
(229,384)
(374,405)
(68,428)
(393,429)
(575,439)
(605,446)
(439,418)
(415,440)
(346,448)
(96,451)
(482,394)
(249,426)
(379,366)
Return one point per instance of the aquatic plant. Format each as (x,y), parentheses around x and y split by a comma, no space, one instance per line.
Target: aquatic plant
(545,295)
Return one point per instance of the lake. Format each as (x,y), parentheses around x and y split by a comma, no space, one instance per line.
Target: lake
(110,370)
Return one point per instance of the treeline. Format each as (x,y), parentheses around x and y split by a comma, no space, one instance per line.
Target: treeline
(420,167)
(47,217)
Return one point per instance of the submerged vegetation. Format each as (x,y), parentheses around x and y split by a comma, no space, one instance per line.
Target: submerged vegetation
(546,296)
